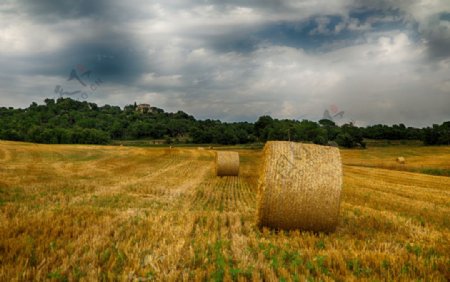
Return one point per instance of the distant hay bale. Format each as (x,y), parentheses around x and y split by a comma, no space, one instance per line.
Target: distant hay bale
(300,187)
(227,163)
(401,160)
(200,148)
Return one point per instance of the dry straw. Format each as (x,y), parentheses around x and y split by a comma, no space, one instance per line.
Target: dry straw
(401,160)
(300,187)
(227,163)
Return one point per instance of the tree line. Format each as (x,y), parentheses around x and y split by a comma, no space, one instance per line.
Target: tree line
(67,121)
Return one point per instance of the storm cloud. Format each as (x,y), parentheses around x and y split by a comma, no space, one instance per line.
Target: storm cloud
(378,61)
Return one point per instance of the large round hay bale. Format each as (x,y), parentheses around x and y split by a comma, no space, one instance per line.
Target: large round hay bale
(300,187)
(401,160)
(227,163)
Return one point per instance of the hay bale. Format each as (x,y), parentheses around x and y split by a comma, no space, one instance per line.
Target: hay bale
(300,187)
(401,160)
(227,163)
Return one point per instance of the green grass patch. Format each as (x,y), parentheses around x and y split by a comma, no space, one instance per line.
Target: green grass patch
(434,171)
(82,157)
(112,201)
(14,195)
(57,275)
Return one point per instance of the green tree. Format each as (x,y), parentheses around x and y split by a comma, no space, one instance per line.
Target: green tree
(262,126)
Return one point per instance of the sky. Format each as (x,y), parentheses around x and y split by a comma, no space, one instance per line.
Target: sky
(378,61)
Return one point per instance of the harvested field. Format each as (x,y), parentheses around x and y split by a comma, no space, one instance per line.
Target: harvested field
(74,212)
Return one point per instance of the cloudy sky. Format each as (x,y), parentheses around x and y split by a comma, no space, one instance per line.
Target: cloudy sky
(379,61)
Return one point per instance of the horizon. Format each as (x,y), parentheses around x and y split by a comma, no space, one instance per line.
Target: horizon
(378,62)
(336,117)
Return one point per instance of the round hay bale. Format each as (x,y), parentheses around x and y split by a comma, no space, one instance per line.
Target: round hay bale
(300,187)
(227,163)
(401,160)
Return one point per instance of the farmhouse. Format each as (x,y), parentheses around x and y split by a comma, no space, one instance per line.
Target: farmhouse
(143,108)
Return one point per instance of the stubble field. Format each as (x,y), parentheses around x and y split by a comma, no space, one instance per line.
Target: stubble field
(74,212)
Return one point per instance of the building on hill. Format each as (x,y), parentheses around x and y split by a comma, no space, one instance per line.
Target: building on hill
(143,108)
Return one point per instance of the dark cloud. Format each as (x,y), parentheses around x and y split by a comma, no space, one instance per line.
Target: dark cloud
(315,34)
(268,5)
(437,34)
(241,42)
(50,10)
(438,47)
(380,5)
(110,55)
(113,12)
(405,12)
(444,17)
(96,39)
(305,34)
(112,59)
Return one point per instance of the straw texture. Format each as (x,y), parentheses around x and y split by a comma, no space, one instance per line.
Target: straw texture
(300,187)
(227,163)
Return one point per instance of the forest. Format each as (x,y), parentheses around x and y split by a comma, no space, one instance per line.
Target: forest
(67,121)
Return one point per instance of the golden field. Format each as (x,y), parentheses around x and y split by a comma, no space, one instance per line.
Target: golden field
(77,212)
